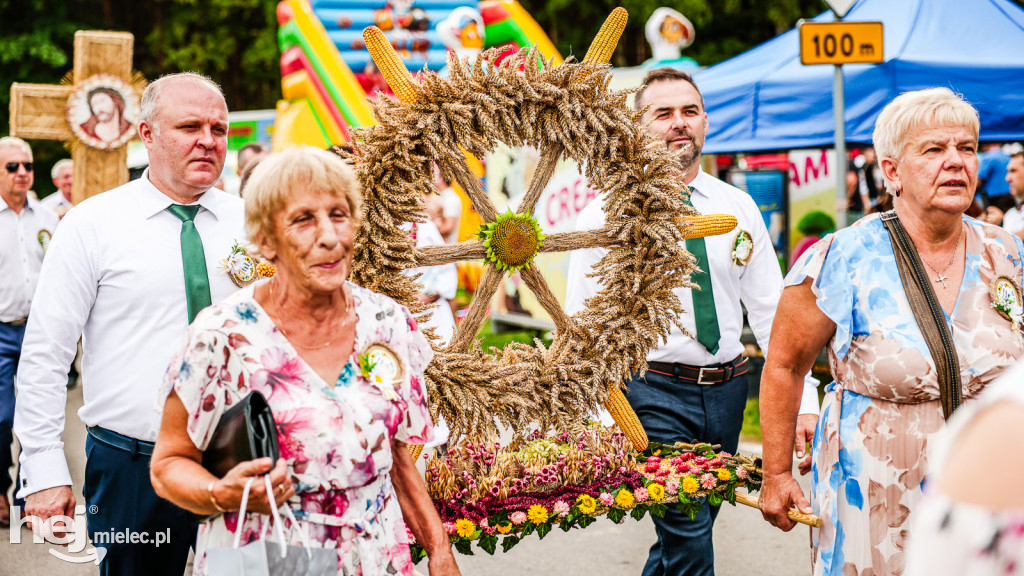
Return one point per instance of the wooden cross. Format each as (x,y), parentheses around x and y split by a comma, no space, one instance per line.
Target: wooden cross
(39,110)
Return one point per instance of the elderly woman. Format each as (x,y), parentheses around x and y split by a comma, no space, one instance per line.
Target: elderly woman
(302,339)
(868,456)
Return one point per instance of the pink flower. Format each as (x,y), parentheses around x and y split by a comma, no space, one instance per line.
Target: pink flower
(686,456)
(714,463)
(640,494)
(672,486)
(606,499)
(724,455)
(653,460)
(700,460)
(561,507)
(678,460)
(663,472)
(708,481)
(482,523)
(682,468)
(518,517)
(652,467)
(449,528)
(741,472)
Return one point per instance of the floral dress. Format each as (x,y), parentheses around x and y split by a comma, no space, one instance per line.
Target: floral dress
(336,437)
(950,538)
(868,456)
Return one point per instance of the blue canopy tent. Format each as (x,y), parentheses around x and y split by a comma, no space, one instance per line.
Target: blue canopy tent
(765,99)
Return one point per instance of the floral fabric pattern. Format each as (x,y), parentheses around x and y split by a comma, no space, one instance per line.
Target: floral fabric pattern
(868,456)
(952,538)
(336,437)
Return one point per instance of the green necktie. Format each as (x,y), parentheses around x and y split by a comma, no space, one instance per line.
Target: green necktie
(704,314)
(193,260)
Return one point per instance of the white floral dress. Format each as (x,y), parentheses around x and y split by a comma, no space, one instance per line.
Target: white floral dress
(950,538)
(335,437)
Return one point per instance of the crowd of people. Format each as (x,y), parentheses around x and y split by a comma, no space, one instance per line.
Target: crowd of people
(171,342)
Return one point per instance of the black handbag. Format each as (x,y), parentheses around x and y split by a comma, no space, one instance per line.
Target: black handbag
(246,431)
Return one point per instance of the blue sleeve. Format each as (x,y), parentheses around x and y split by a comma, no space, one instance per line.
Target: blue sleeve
(826,265)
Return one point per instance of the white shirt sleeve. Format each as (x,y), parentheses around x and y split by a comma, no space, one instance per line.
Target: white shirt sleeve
(62,303)
(760,288)
(582,262)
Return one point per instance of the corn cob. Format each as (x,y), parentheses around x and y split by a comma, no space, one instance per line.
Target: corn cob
(390,65)
(707,225)
(608,37)
(415,450)
(624,416)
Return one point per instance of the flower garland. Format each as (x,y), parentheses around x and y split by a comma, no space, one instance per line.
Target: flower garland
(484,491)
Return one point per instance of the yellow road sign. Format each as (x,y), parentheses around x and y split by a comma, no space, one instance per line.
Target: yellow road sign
(841,43)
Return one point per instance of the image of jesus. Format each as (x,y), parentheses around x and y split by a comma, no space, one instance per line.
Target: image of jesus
(106,121)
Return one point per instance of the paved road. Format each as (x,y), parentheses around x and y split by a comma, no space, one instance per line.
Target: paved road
(744,543)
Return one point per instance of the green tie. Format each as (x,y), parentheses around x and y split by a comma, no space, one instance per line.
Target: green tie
(193,260)
(704,314)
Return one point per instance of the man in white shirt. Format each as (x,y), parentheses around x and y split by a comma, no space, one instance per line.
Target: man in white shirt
(115,274)
(25,231)
(696,388)
(1013,220)
(451,208)
(63,175)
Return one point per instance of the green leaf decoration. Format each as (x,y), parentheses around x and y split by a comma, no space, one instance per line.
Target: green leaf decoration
(566,524)
(464,547)
(528,529)
(417,552)
(585,521)
(509,542)
(616,515)
(489,543)
(715,499)
(638,513)
(542,530)
(659,510)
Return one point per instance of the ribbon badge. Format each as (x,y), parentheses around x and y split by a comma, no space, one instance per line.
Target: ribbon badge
(1006,299)
(380,365)
(742,248)
(243,269)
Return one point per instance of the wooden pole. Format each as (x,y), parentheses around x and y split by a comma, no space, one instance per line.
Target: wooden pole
(794,515)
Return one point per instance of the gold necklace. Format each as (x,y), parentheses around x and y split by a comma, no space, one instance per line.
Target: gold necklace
(942,279)
(280,326)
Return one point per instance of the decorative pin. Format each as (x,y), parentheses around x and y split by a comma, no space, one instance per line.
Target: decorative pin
(742,248)
(1006,299)
(44,237)
(381,367)
(243,269)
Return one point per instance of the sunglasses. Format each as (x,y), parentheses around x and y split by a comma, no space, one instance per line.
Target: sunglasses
(12,167)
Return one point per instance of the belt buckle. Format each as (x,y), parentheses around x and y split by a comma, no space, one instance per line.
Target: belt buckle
(700,378)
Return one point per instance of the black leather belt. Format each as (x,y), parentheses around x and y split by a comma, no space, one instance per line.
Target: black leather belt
(121,442)
(703,375)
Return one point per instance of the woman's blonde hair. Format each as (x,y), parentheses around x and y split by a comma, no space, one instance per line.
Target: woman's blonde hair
(912,111)
(279,175)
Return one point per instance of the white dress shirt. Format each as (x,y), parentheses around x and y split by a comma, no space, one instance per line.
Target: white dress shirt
(756,285)
(1013,220)
(443,279)
(58,203)
(23,240)
(114,275)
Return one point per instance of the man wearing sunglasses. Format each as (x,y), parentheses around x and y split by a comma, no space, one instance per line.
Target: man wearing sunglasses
(25,229)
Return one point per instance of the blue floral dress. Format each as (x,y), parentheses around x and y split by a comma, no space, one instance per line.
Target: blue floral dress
(336,437)
(877,416)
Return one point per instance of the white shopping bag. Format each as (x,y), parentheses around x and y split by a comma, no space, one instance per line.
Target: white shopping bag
(265,558)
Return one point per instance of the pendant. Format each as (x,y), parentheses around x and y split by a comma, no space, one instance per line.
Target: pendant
(942,279)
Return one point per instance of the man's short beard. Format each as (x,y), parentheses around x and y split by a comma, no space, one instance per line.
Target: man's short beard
(689,154)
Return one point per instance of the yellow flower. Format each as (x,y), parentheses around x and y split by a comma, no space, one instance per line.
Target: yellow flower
(624,499)
(586,504)
(465,528)
(657,491)
(690,485)
(724,475)
(504,528)
(537,514)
